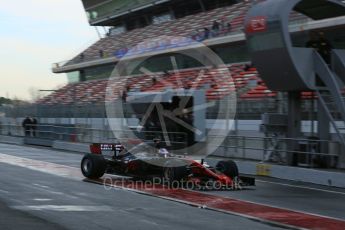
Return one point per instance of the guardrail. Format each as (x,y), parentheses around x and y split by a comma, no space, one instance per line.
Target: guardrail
(246,110)
(82,134)
(307,153)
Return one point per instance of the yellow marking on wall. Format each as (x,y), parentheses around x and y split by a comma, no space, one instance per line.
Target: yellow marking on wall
(263,170)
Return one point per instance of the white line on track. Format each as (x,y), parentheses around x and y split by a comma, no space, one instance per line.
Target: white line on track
(149,222)
(64,208)
(47,189)
(42,199)
(302,187)
(41,186)
(42,166)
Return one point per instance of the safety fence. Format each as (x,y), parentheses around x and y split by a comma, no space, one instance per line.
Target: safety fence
(245,109)
(308,152)
(84,134)
(303,152)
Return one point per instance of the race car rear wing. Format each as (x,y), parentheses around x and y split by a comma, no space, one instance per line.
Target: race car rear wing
(98,148)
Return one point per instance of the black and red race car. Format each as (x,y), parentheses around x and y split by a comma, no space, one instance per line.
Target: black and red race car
(146,162)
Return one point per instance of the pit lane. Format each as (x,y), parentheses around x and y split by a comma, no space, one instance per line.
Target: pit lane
(53,175)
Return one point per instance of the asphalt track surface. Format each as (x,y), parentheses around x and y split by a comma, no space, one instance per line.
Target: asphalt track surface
(32,198)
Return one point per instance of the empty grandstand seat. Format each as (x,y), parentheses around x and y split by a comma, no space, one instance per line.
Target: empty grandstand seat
(184,27)
(219,81)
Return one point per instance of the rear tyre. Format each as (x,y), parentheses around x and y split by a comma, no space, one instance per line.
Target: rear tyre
(229,168)
(93,166)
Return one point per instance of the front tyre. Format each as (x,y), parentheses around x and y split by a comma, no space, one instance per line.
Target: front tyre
(229,168)
(93,166)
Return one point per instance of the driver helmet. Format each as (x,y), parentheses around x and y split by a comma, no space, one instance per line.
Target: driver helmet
(163,151)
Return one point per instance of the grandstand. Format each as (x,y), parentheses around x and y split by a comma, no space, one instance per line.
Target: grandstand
(94,65)
(98,59)
(188,26)
(94,91)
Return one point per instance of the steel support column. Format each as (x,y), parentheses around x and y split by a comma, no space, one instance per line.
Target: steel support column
(294,123)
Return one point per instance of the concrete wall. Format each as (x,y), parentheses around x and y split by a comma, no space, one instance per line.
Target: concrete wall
(74,147)
(321,177)
(11,140)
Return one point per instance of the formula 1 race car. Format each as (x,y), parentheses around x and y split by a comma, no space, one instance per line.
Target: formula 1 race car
(145,162)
